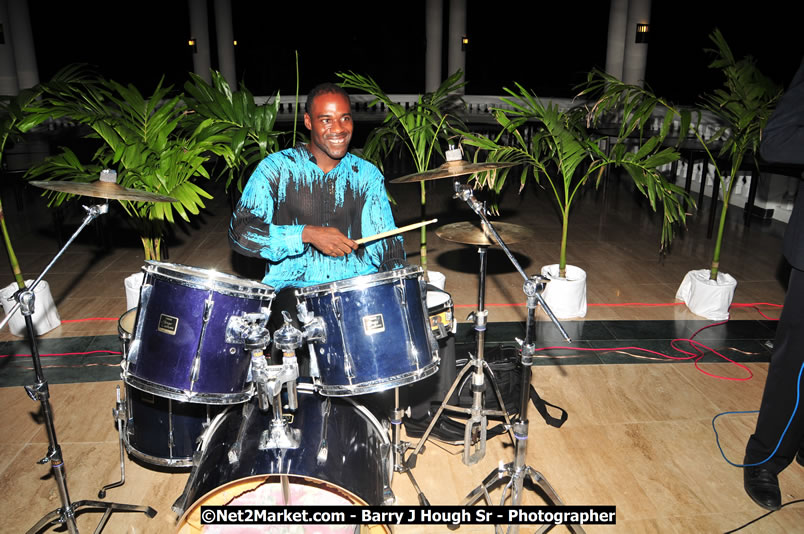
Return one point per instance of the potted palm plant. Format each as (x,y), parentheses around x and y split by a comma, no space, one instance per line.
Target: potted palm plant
(247,126)
(143,139)
(562,152)
(421,128)
(16,119)
(742,107)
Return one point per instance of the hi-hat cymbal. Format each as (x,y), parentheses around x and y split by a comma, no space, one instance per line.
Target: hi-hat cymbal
(101,189)
(450,169)
(471,233)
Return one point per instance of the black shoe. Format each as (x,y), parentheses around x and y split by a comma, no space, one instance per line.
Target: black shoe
(763,487)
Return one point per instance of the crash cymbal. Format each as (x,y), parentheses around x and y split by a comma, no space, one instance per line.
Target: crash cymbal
(471,233)
(451,169)
(100,189)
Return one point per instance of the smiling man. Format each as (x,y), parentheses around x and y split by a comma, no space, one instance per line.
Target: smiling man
(303,208)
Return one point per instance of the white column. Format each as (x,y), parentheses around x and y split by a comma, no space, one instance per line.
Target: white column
(434,37)
(8,66)
(225,36)
(456,57)
(635,58)
(618,17)
(199,30)
(24,51)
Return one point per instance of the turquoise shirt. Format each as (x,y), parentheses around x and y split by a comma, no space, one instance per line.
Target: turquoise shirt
(288,191)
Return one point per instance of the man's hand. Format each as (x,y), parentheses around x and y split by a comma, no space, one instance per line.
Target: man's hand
(328,240)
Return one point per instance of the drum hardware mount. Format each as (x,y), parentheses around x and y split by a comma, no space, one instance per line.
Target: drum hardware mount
(39,391)
(196,367)
(475,429)
(517,470)
(270,381)
(399,447)
(119,413)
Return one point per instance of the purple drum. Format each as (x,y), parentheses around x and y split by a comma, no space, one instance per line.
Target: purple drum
(162,431)
(378,332)
(344,458)
(187,342)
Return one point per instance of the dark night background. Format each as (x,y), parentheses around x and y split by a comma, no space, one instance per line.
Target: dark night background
(547,47)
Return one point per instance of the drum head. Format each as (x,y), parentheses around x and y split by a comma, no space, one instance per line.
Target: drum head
(436,299)
(125,326)
(266,490)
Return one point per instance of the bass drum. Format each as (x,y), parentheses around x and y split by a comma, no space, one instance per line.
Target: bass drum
(344,458)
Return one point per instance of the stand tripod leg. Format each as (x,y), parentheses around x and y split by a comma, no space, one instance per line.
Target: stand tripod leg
(444,405)
(57,516)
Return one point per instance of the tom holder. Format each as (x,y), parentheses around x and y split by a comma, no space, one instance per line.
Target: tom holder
(271,379)
(66,514)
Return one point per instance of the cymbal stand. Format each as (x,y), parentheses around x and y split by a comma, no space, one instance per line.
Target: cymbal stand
(476,426)
(516,471)
(39,392)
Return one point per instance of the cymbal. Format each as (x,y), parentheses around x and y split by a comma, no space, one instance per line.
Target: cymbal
(450,169)
(101,189)
(471,233)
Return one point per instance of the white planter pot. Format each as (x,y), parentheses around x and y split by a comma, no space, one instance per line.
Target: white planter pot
(45,317)
(705,297)
(133,284)
(566,297)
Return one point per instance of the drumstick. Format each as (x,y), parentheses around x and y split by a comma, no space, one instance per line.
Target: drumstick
(389,233)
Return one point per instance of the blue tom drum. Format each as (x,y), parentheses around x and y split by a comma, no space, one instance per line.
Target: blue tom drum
(378,333)
(162,431)
(187,343)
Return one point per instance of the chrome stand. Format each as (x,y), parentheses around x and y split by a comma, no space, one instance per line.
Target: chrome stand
(516,471)
(399,446)
(119,413)
(39,392)
(476,425)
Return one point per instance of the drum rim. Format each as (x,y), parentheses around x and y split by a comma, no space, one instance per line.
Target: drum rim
(380,385)
(183,395)
(360,282)
(262,478)
(199,278)
(157,460)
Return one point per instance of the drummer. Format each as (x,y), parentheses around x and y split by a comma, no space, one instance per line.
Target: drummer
(303,208)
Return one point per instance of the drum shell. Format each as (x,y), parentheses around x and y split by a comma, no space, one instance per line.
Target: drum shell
(164,431)
(358,461)
(171,329)
(381,322)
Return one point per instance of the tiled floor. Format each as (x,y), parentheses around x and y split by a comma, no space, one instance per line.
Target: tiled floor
(638,436)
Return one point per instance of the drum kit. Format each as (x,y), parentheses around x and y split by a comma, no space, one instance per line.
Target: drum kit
(200,392)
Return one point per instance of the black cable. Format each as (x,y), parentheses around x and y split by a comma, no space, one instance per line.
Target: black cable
(763,516)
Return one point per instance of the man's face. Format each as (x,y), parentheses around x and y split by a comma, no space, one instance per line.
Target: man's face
(330,125)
